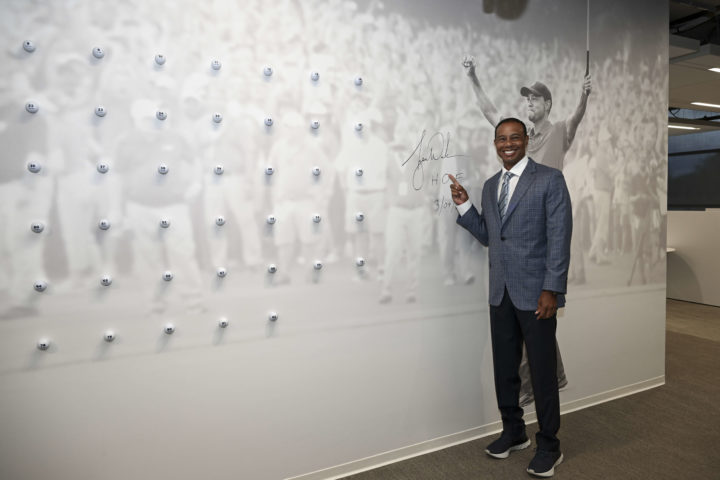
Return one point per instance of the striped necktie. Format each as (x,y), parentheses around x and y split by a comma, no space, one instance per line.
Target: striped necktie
(504,197)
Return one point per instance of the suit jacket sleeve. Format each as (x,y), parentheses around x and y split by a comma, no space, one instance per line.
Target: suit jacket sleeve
(558,212)
(474,223)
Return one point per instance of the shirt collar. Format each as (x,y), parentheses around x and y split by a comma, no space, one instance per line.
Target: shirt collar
(518,168)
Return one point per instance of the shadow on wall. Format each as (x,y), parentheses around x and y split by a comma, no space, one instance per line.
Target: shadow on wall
(505,9)
(682,283)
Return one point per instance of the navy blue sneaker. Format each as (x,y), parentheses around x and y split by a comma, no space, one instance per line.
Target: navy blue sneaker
(502,447)
(543,463)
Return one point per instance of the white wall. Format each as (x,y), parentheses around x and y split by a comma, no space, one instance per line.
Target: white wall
(273,408)
(693,269)
(342,381)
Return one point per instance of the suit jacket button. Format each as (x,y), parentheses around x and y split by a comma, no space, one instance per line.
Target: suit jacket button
(502,238)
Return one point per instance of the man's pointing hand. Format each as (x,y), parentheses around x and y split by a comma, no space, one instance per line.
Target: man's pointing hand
(459,195)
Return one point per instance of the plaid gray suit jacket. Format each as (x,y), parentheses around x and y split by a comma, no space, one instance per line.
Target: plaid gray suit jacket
(530,251)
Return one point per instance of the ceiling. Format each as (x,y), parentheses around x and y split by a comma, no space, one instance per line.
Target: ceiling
(694,48)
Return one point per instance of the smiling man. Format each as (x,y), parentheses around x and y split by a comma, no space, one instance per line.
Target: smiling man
(526,221)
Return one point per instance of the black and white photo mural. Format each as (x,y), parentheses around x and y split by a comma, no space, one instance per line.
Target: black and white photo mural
(257,193)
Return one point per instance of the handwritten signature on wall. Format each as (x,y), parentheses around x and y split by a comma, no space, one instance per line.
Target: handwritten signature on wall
(436,148)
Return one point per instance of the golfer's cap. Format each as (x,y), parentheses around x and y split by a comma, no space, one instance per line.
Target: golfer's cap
(538,89)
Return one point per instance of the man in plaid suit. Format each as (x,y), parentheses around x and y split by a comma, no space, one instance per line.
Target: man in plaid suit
(526,221)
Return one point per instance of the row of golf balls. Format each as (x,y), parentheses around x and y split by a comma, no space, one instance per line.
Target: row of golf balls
(169,329)
(221,272)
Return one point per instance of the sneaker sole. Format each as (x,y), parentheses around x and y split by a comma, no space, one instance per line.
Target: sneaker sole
(550,472)
(506,453)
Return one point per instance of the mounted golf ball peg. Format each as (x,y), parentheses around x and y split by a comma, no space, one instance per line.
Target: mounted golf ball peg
(359,172)
(316,218)
(268,71)
(40,286)
(268,121)
(359,126)
(98,52)
(269,170)
(106,280)
(359,216)
(104,224)
(358,81)
(109,336)
(223,322)
(317,265)
(314,76)
(160,59)
(37,227)
(43,344)
(161,115)
(315,124)
(271,219)
(100,111)
(32,107)
(221,272)
(217,117)
(273,316)
(169,329)
(360,261)
(164,222)
(34,167)
(316,171)
(103,167)
(29,46)
(272,268)
(219,220)
(168,276)
(163,169)
(216,65)
(219,169)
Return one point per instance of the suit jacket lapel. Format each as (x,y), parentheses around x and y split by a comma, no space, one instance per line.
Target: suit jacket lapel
(526,179)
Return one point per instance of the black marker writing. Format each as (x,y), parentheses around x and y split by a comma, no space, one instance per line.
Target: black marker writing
(437,148)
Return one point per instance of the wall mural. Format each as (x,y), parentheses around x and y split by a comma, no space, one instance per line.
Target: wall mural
(241,166)
(241,210)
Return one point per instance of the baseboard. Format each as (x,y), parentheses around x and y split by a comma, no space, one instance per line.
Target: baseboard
(392,456)
(400,454)
(696,302)
(610,395)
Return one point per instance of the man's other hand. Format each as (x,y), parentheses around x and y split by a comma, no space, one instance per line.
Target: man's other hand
(459,195)
(547,305)
(587,85)
(469,64)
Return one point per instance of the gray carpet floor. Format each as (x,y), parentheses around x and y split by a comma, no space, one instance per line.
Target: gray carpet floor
(670,432)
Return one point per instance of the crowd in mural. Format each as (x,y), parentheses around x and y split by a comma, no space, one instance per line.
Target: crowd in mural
(415,97)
